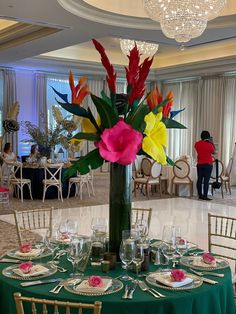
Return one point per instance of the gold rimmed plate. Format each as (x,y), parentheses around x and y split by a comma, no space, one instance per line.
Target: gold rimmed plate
(42,253)
(73,287)
(189,262)
(152,280)
(10,272)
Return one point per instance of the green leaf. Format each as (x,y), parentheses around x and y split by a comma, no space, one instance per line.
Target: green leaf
(109,116)
(106,98)
(75,109)
(136,117)
(162,104)
(172,124)
(92,160)
(87,136)
(170,161)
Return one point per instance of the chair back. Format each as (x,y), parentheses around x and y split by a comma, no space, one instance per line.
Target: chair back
(229,167)
(220,169)
(181,169)
(29,220)
(53,172)
(222,236)
(14,169)
(156,170)
(143,214)
(146,166)
(137,164)
(42,304)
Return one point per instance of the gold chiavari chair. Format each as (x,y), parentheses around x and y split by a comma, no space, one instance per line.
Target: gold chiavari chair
(19,299)
(143,214)
(222,239)
(30,220)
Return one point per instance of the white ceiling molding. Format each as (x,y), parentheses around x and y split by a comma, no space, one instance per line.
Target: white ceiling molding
(88,12)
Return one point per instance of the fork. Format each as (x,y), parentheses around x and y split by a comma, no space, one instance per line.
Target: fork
(144,287)
(57,289)
(202,273)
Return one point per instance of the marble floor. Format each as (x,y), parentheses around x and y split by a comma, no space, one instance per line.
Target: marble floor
(189,214)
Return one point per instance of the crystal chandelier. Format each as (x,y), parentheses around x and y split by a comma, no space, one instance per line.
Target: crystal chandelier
(146,49)
(183,19)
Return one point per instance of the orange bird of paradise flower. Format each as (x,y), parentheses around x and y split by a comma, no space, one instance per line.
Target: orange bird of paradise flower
(155,98)
(78,93)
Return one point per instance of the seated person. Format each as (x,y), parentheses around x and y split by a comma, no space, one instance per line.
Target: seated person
(34,153)
(8,154)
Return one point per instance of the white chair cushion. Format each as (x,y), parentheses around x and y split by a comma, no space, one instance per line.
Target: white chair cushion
(183,181)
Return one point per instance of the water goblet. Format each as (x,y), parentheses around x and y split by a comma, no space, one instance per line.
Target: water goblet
(99,224)
(127,253)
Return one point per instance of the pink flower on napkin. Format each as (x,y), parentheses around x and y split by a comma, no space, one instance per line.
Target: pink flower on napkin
(208,258)
(25,267)
(120,143)
(177,275)
(25,248)
(95,281)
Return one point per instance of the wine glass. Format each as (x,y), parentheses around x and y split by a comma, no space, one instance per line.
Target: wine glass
(99,224)
(76,252)
(169,241)
(127,253)
(138,256)
(142,228)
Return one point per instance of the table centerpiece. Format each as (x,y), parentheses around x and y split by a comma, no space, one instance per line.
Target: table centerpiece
(126,125)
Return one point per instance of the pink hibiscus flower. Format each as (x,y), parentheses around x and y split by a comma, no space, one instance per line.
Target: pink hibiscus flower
(95,281)
(120,144)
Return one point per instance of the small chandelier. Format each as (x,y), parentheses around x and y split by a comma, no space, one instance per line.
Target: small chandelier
(183,19)
(146,49)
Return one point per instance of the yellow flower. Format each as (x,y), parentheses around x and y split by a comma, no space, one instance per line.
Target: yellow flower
(88,127)
(156,137)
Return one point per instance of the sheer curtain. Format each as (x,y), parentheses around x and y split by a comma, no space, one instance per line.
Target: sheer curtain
(180,141)
(9,92)
(41,99)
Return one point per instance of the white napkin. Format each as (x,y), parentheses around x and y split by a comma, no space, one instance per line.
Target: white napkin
(166,280)
(31,253)
(36,270)
(85,288)
(198,261)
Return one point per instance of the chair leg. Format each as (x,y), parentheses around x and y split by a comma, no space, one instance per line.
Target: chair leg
(229,186)
(160,186)
(29,185)
(87,184)
(135,189)
(68,194)
(60,189)
(44,192)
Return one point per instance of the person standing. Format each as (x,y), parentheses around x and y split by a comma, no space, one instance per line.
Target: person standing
(204,148)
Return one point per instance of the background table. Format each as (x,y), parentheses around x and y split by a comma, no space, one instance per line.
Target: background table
(207,299)
(36,175)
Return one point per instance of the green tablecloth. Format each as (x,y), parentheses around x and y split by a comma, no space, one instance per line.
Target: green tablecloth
(207,299)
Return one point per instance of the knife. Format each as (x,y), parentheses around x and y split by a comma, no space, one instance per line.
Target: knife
(10,260)
(210,281)
(39,282)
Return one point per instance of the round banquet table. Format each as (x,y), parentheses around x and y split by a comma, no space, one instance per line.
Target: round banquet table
(36,175)
(207,299)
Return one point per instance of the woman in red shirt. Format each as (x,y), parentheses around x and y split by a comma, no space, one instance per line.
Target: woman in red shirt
(204,148)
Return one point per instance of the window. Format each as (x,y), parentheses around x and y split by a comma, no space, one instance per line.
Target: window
(1,100)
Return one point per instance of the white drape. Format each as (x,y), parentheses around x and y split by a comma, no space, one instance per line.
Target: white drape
(41,100)
(9,88)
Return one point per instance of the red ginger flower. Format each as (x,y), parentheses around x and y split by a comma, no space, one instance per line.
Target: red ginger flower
(133,69)
(111,75)
(78,93)
(138,87)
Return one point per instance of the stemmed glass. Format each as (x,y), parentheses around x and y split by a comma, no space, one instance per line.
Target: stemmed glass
(99,224)
(169,241)
(127,254)
(142,228)
(181,243)
(138,256)
(76,252)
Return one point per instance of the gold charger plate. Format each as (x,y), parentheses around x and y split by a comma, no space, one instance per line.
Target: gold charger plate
(13,253)
(116,286)
(220,263)
(8,272)
(197,282)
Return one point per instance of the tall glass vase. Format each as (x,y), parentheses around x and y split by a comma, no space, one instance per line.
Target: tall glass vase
(120,203)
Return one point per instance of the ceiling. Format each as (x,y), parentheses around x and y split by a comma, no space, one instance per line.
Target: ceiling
(71,41)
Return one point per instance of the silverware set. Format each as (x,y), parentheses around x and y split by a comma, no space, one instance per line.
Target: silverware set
(58,288)
(129,290)
(144,287)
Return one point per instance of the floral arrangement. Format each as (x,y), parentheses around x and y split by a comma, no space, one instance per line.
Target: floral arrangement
(95,281)
(25,248)
(208,258)
(177,275)
(138,128)
(26,267)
